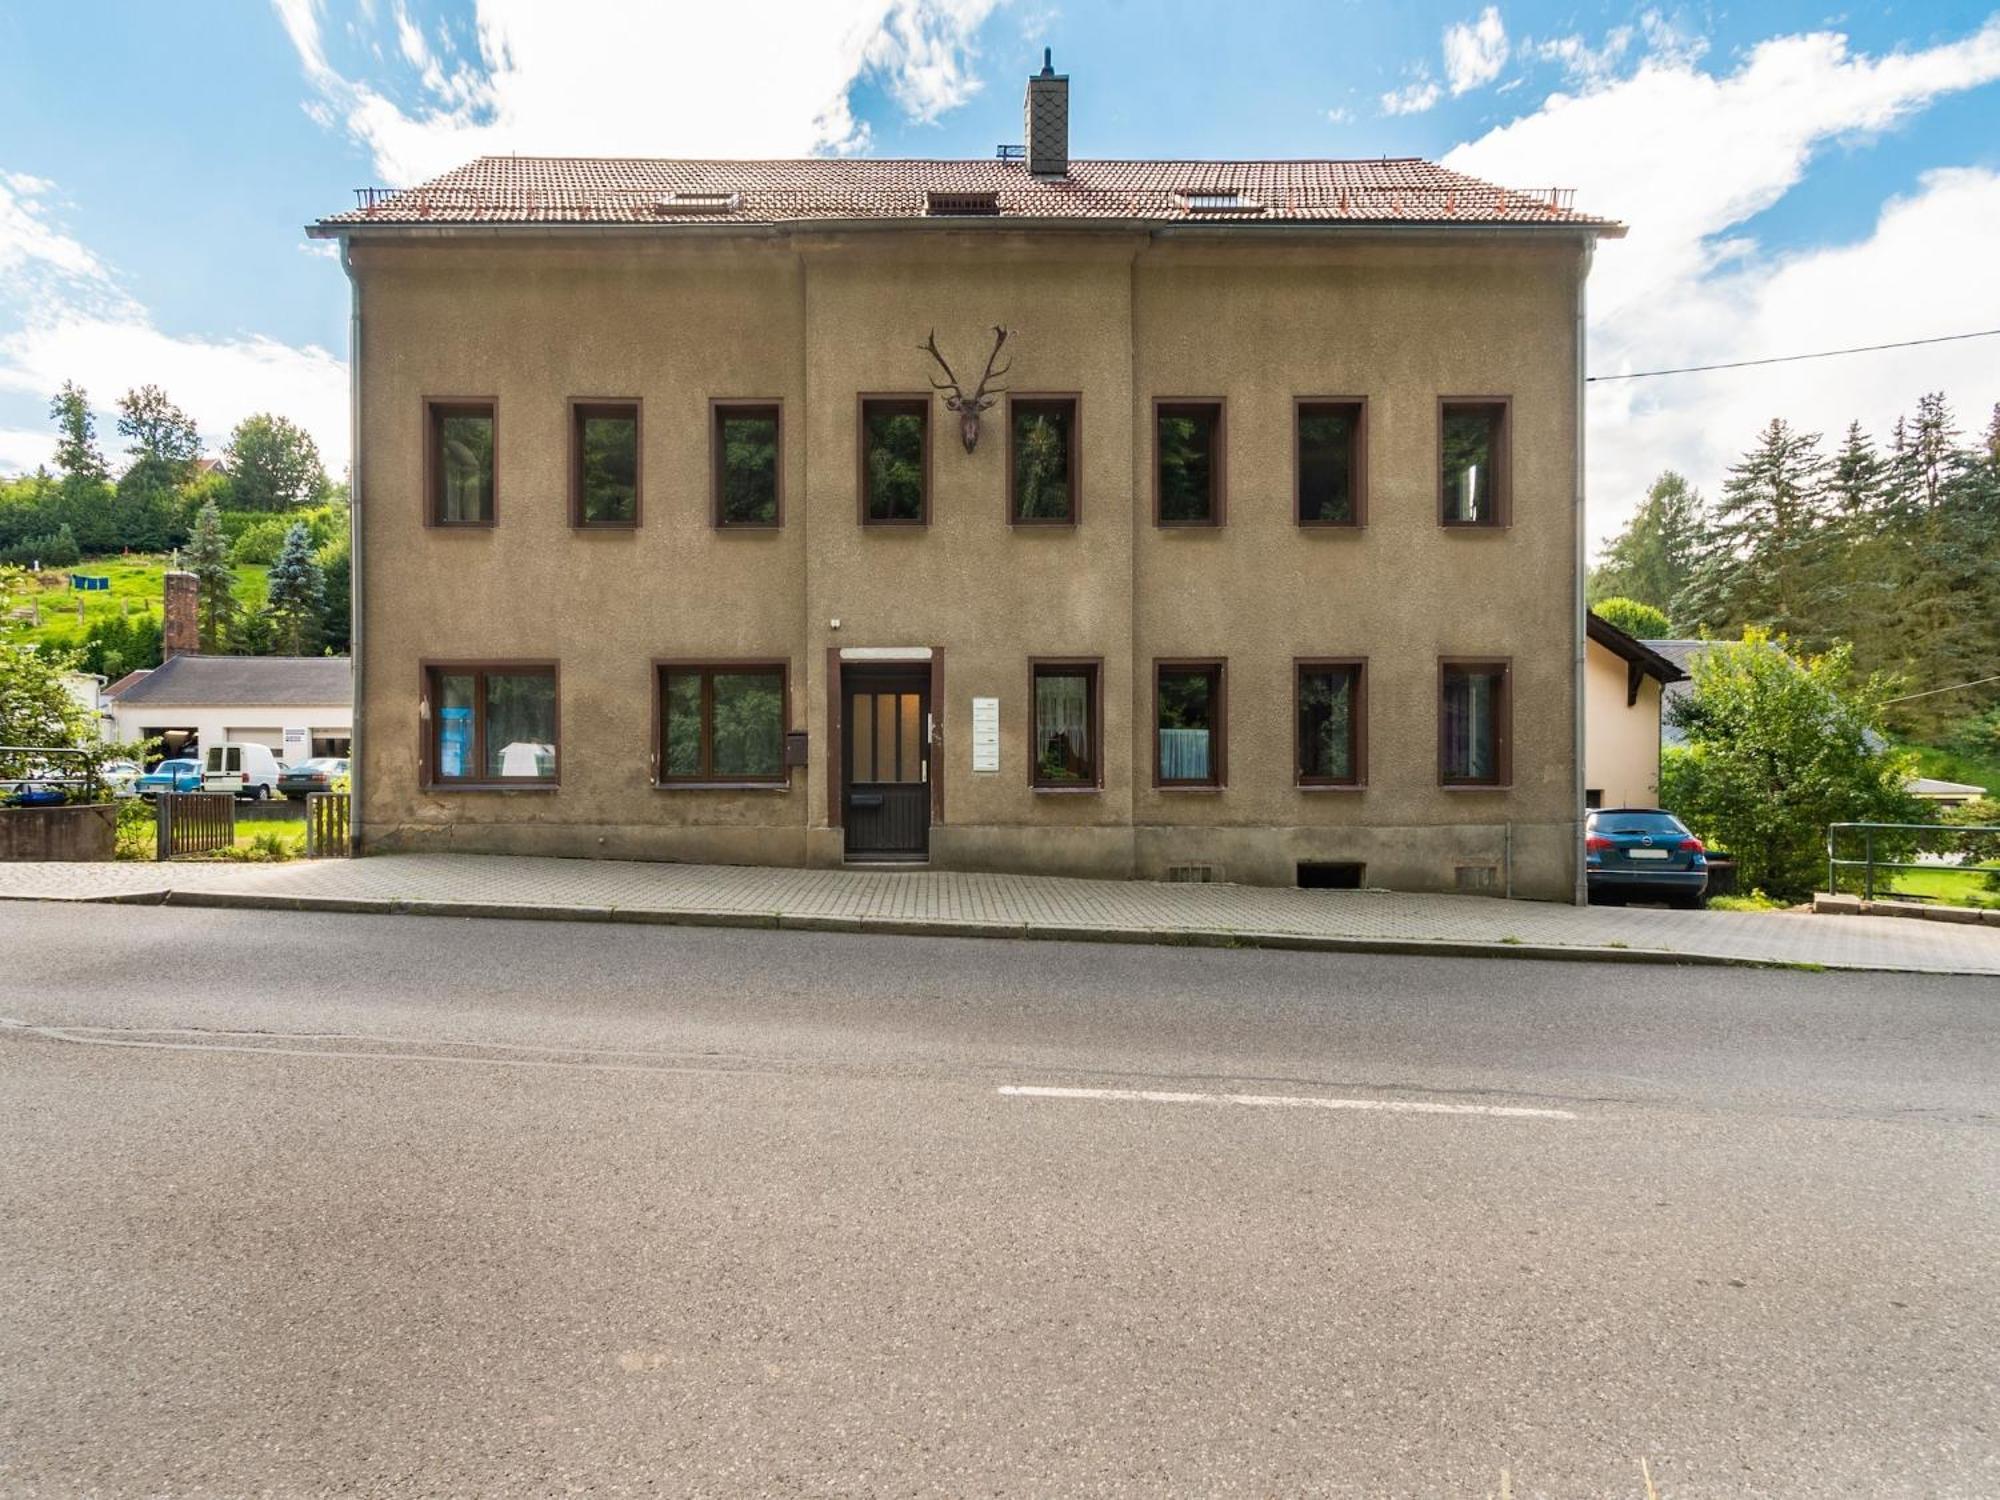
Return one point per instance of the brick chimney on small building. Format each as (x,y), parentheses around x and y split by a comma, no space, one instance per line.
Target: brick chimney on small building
(180,631)
(1047,128)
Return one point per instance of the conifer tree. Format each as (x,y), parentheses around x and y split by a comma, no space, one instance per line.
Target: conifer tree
(297,596)
(208,560)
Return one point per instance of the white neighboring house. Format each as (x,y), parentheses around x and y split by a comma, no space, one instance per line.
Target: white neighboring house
(88,690)
(300,706)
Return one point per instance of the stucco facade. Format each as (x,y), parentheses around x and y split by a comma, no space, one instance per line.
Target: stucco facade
(1118,315)
(1622,746)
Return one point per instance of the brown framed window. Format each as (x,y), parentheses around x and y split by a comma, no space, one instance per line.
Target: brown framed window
(1330,468)
(604,465)
(1188,469)
(895,444)
(1473,461)
(747,439)
(1190,723)
(461,441)
(1331,703)
(491,724)
(1475,722)
(1043,436)
(1067,749)
(721,723)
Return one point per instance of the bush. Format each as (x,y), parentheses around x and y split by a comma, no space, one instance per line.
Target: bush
(55,551)
(261,542)
(1634,618)
(138,837)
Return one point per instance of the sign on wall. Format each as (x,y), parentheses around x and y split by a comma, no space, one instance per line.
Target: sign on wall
(985,734)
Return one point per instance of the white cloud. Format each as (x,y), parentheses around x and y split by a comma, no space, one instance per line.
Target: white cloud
(547,81)
(64,317)
(1339,116)
(1413,99)
(1688,157)
(1583,63)
(1475,53)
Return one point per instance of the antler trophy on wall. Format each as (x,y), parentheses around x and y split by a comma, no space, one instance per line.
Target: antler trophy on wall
(969,407)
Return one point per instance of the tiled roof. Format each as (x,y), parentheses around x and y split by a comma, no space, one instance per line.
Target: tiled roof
(543,190)
(247,681)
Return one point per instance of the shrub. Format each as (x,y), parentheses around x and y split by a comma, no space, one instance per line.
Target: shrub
(1634,618)
(137,833)
(261,542)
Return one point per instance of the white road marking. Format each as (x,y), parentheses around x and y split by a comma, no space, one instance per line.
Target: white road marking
(1285,1101)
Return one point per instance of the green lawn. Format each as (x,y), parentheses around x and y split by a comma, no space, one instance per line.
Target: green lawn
(136,589)
(1962,887)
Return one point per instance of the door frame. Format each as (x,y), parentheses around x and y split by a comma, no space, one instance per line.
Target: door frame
(836,725)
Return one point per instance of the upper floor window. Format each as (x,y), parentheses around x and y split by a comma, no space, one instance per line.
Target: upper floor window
(1188,723)
(1187,463)
(459,472)
(1065,749)
(1331,475)
(1332,722)
(1041,460)
(1474,723)
(722,723)
(604,464)
(749,484)
(491,723)
(895,460)
(1473,462)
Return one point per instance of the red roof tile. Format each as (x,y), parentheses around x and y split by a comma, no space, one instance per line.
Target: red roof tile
(544,190)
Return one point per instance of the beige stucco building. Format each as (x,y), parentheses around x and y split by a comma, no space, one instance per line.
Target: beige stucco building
(1623,682)
(1264,565)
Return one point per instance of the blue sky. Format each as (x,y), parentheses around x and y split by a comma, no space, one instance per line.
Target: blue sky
(1787,188)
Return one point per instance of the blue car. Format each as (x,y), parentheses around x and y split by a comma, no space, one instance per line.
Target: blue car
(1645,854)
(170,776)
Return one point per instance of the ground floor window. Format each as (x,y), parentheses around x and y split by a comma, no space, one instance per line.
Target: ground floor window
(1473,729)
(1065,748)
(1189,723)
(1332,736)
(492,723)
(722,722)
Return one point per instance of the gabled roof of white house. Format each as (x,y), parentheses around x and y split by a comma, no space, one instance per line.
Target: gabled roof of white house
(250,681)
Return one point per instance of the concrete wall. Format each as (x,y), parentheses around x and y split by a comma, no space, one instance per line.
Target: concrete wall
(1621,743)
(815,319)
(59,833)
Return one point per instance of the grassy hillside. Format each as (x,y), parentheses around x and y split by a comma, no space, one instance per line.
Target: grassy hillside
(136,589)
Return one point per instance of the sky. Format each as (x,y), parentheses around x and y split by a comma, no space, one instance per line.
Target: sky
(1796,178)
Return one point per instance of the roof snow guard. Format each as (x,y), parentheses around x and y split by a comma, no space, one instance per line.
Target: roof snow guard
(545,192)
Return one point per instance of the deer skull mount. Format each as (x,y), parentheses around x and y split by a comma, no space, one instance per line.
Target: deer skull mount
(970,406)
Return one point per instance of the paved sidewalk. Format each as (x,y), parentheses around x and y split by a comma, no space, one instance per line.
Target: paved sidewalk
(1021,906)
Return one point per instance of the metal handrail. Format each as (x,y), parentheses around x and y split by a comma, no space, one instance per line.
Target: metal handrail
(1871,864)
(88,778)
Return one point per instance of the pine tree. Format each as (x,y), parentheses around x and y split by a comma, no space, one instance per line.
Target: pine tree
(1858,478)
(208,560)
(297,593)
(1651,559)
(1768,543)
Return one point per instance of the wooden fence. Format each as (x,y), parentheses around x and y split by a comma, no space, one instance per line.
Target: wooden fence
(195,822)
(326,825)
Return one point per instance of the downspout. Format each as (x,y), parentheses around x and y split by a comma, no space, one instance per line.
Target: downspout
(1580,894)
(356,766)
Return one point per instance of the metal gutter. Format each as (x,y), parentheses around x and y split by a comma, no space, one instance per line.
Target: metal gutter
(356,766)
(763,228)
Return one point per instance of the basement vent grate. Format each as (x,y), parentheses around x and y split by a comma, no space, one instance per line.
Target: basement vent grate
(699,203)
(1330,875)
(1194,874)
(962,204)
(1477,878)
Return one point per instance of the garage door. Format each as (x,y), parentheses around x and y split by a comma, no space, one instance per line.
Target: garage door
(275,738)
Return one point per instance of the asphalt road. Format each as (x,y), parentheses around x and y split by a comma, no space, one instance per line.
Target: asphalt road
(373,1205)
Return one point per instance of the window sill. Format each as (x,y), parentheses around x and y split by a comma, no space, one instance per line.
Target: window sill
(605,528)
(722,786)
(1334,528)
(491,786)
(471,528)
(1483,786)
(1475,528)
(747,528)
(1021,524)
(1200,791)
(1331,786)
(1066,791)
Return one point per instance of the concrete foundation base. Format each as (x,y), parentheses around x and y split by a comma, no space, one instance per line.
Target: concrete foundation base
(59,833)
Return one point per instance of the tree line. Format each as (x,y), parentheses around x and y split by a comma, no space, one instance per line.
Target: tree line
(1891,550)
(268,502)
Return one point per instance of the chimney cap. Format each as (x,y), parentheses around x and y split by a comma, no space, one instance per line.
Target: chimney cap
(1048,62)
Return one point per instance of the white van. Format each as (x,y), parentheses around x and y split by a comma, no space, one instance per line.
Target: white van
(248,770)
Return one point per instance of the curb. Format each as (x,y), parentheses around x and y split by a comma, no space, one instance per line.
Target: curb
(1192,937)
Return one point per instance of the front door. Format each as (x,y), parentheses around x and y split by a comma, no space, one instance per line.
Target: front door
(886,770)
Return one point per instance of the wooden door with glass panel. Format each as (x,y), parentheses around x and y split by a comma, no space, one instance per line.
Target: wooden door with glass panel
(886,769)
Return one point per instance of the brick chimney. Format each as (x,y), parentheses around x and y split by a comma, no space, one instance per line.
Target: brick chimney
(1047,128)
(180,631)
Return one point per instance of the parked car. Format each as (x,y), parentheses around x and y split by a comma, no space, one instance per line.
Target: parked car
(120,777)
(169,776)
(323,773)
(1644,853)
(243,767)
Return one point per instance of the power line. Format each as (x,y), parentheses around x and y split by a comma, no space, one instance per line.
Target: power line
(1785,359)
(1976,682)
